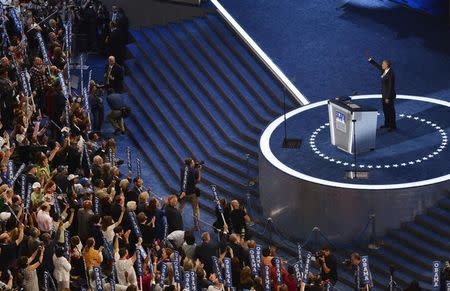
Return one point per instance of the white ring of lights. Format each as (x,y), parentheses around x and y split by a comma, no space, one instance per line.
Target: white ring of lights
(434,153)
(268,154)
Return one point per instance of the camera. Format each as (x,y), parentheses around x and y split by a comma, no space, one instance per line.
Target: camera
(320,255)
(347,262)
(199,163)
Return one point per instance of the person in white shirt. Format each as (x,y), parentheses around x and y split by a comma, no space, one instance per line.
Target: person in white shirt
(108,226)
(43,218)
(62,269)
(61,226)
(126,274)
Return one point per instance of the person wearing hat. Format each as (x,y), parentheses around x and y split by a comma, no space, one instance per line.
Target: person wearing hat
(37,197)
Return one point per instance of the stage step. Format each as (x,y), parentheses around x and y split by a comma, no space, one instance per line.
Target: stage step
(197,90)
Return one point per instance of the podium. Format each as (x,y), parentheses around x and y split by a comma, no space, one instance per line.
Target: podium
(353,127)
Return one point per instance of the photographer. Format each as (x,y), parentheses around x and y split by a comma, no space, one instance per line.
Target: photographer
(190,177)
(328,265)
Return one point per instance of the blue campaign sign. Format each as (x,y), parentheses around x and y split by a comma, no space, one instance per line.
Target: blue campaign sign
(298,272)
(217,268)
(176,267)
(306,267)
(278,271)
(193,281)
(139,271)
(97,279)
(163,274)
(253,265)
(133,220)
(300,259)
(187,280)
(447,285)
(258,256)
(366,278)
(266,274)
(227,267)
(436,284)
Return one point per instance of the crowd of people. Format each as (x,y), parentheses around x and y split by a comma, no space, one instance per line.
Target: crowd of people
(75,217)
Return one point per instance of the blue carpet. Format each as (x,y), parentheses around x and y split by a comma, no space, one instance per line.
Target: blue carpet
(325,48)
(412,153)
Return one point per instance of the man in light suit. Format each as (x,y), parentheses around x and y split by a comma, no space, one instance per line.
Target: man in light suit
(387,93)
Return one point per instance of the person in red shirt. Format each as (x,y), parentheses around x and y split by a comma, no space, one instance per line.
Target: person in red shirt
(273,274)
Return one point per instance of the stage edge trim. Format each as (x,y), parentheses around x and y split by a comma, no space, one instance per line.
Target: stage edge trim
(267,152)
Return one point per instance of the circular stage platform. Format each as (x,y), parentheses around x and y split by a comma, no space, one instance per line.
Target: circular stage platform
(409,170)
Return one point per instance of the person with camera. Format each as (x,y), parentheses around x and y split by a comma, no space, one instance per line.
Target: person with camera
(190,177)
(328,265)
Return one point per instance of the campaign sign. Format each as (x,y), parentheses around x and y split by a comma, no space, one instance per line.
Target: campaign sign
(258,255)
(306,267)
(278,271)
(112,280)
(217,269)
(176,267)
(133,220)
(66,244)
(130,166)
(23,185)
(227,267)
(10,172)
(253,266)
(193,281)
(138,167)
(216,198)
(97,279)
(266,274)
(300,259)
(46,281)
(187,280)
(163,274)
(436,284)
(298,272)
(366,279)
(139,271)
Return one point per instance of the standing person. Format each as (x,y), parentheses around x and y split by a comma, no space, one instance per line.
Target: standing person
(190,176)
(113,76)
(7,100)
(115,117)
(173,215)
(62,269)
(328,265)
(388,93)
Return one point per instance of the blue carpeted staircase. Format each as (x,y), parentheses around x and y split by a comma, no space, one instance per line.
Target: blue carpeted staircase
(196,90)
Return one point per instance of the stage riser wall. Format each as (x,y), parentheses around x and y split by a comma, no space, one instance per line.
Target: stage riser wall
(340,213)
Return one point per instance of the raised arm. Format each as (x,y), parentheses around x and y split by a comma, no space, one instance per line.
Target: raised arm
(374,63)
(119,221)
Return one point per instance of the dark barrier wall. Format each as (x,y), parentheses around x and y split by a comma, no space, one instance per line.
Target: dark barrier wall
(296,205)
(152,12)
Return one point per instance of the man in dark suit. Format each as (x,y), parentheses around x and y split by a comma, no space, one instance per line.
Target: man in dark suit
(173,215)
(113,76)
(387,93)
(205,251)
